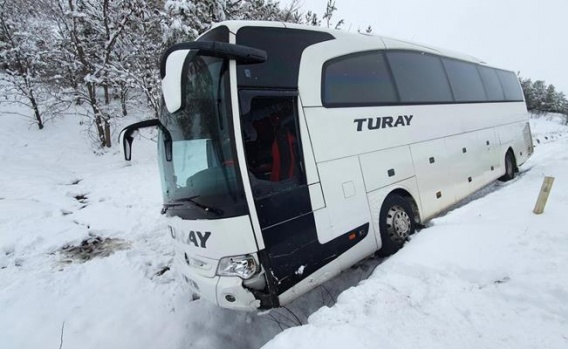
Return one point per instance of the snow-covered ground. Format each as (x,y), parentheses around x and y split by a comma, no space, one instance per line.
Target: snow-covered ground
(488,274)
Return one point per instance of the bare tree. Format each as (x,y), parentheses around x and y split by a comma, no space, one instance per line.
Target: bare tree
(142,50)
(95,52)
(329,11)
(89,32)
(23,48)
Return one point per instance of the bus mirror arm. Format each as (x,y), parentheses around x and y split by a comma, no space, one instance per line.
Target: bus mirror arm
(241,54)
(127,137)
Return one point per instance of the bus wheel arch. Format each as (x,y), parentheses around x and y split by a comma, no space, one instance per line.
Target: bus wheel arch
(510,166)
(398,219)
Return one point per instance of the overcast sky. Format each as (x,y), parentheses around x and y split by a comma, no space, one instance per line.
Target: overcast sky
(530,36)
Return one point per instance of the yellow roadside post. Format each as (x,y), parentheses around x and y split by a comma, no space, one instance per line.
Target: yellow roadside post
(543,196)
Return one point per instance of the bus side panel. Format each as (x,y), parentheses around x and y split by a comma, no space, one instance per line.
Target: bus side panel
(345,198)
(489,161)
(335,134)
(327,271)
(431,163)
(473,161)
(309,160)
(461,151)
(514,136)
(385,167)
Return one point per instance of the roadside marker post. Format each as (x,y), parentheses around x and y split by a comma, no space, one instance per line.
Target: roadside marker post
(543,196)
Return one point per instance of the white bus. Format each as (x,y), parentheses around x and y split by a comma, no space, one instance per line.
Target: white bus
(288,153)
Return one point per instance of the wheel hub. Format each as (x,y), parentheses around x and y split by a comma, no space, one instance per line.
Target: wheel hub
(398,224)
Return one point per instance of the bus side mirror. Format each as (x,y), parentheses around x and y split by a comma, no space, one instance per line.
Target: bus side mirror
(127,146)
(128,132)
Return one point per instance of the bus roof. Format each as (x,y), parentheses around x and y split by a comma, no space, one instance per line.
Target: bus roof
(383,41)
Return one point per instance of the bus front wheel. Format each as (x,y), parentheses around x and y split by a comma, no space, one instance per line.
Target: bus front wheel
(396,224)
(510,167)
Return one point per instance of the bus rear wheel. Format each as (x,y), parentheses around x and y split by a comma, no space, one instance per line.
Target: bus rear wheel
(396,224)
(510,167)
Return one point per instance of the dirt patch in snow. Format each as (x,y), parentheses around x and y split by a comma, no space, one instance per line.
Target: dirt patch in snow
(92,247)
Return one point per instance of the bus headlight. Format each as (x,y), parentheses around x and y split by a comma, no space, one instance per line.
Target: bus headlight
(242,266)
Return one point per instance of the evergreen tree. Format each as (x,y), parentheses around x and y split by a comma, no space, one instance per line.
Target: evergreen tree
(528,91)
(539,90)
(541,98)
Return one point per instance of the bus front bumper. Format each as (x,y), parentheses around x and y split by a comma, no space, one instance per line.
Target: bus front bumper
(225,291)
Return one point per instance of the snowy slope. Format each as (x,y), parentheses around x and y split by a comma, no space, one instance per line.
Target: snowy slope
(481,275)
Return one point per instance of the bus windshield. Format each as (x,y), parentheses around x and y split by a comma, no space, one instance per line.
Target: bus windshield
(202,179)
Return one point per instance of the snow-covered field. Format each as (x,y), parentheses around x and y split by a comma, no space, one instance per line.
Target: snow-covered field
(489,274)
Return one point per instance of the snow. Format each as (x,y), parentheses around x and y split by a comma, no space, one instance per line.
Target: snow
(545,127)
(487,274)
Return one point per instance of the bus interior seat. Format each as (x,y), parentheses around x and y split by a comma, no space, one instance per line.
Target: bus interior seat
(283,157)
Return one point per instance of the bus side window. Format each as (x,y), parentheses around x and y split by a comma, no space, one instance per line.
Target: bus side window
(271,145)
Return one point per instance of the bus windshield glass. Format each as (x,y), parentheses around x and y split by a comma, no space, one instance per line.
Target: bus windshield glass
(202,179)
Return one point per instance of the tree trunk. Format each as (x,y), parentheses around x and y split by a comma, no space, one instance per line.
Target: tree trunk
(107,96)
(74,85)
(123,96)
(108,142)
(100,128)
(37,114)
(100,119)
(35,107)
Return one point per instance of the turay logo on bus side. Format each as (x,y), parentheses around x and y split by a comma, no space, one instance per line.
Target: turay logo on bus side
(383,122)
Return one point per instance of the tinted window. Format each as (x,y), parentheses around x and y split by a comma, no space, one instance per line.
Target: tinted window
(271,144)
(361,79)
(492,84)
(419,77)
(284,48)
(465,81)
(510,85)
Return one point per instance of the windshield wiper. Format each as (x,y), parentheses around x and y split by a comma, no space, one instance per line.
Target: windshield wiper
(181,202)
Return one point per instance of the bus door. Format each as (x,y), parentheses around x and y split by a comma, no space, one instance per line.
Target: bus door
(275,162)
(272,145)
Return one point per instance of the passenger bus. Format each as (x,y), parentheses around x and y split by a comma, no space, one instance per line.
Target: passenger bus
(288,153)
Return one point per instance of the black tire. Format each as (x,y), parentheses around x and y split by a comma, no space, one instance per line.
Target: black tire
(510,167)
(396,223)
